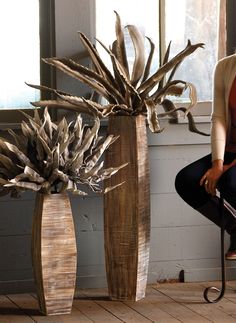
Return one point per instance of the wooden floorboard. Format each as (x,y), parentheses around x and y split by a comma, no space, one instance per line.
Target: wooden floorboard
(95,312)
(164,303)
(11,313)
(174,308)
(228,303)
(28,303)
(190,296)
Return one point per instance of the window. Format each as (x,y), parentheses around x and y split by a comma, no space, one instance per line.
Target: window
(26,30)
(131,12)
(193,23)
(20,54)
(178,21)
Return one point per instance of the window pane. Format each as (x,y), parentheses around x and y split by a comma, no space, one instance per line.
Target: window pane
(197,21)
(19,55)
(131,12)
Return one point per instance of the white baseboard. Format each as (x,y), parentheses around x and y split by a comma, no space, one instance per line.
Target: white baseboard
(208,274)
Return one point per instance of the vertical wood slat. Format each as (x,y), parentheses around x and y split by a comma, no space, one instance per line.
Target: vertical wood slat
(54,253)
(127,210)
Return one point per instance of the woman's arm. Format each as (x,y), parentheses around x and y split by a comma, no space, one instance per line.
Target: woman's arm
(218,132)
(218,120)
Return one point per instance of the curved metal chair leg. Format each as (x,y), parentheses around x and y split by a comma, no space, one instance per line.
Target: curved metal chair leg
(212,288)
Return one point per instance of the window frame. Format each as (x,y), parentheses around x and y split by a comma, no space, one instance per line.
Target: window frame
(11,118)
(230,27)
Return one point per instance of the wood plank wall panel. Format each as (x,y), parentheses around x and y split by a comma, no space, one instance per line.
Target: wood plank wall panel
(175,226)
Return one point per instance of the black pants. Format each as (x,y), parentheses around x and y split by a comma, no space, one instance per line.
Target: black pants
(188,179)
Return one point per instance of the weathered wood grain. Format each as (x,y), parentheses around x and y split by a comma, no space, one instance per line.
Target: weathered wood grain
(127,210)
(54,253)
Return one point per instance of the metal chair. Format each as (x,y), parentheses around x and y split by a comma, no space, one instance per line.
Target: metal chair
(223,276)
(222,245)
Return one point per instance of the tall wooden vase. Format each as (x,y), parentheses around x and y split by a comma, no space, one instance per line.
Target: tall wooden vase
(127,210)
(54,253)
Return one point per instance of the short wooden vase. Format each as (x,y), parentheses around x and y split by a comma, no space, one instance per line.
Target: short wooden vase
(127,210)
(54,253)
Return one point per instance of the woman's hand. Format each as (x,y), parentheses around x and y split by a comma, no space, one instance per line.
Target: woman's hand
(211,177)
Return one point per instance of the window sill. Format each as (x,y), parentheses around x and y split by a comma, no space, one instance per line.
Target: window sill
(198,119)
(7,125)
(12,118)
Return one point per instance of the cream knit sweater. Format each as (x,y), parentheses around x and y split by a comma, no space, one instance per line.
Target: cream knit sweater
(225,72)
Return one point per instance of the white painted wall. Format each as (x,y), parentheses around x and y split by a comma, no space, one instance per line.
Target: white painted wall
(181,239)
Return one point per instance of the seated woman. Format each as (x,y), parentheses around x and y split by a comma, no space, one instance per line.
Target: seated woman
(197,182)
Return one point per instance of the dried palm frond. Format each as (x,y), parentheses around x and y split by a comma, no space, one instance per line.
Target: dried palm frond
(128,90)
(47,156)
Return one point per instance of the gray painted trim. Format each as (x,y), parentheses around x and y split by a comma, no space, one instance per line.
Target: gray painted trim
(17,286)
(28,286)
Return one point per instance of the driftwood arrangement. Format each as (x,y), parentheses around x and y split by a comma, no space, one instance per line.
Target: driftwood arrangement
(53,158)
(128,91)
(133,95)
(47,157)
